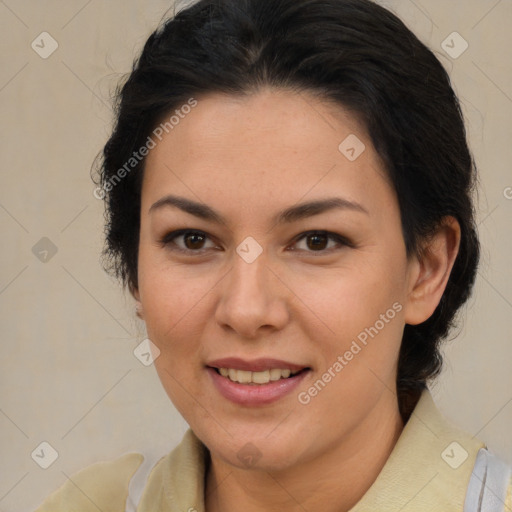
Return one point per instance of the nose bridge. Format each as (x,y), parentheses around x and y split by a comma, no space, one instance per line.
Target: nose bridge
(251,295)
(248,280)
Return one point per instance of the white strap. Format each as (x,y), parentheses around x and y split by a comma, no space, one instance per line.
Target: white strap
(487,490)
(138,482)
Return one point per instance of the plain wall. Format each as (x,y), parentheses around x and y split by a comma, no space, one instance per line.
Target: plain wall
(68,375)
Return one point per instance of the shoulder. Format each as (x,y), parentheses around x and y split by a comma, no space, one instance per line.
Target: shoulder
(102,486)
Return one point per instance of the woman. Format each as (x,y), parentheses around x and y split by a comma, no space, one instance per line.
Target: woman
(288,189)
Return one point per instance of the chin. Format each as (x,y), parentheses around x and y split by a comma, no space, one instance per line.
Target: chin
(254,448)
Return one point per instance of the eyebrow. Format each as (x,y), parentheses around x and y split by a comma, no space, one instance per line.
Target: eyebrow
(288,215)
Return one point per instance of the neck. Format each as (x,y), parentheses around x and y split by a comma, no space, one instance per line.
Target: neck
(332,482)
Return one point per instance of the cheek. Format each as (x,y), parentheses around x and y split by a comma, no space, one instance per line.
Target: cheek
(176,312)
(350,299)
(357,312)
(175,320)
(170,293)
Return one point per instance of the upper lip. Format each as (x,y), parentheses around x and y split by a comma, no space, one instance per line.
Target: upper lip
(255,365)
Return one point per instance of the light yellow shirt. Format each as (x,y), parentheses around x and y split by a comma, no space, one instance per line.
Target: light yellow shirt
(428,471)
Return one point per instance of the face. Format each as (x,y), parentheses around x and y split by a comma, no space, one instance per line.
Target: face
(319,290)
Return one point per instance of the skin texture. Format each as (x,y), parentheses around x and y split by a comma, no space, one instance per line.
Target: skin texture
(248,158)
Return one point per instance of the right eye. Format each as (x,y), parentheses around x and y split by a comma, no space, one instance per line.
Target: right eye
(193,241)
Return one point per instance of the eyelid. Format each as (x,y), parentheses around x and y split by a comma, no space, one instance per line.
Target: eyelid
(167,240)
(341,240)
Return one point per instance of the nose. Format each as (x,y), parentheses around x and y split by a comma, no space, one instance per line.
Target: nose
(253,299)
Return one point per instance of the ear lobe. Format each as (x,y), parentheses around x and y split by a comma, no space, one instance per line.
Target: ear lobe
(435,265)
(138,304)
(138,310)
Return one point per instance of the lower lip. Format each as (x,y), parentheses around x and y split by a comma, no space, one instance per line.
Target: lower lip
(255,394)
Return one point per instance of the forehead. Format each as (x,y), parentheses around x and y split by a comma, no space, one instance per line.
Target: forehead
(276,145)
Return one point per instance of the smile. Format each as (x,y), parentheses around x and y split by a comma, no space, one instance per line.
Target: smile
(259,388)
(262,377)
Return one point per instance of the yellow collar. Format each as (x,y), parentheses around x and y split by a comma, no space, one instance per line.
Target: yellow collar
(428,470)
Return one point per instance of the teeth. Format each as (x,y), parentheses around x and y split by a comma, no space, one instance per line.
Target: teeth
(275,374)
(245,377)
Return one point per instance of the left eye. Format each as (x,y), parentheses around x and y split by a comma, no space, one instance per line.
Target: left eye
(193,241)
(317,241)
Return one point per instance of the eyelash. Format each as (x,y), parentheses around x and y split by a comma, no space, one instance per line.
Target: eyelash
(169,238)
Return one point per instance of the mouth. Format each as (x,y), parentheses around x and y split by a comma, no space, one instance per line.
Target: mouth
(257,378)
(255,383)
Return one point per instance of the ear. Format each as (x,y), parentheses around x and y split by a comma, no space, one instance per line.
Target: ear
(138,304)
(429,272)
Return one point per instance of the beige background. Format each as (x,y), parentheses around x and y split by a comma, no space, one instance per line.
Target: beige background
(69,376)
